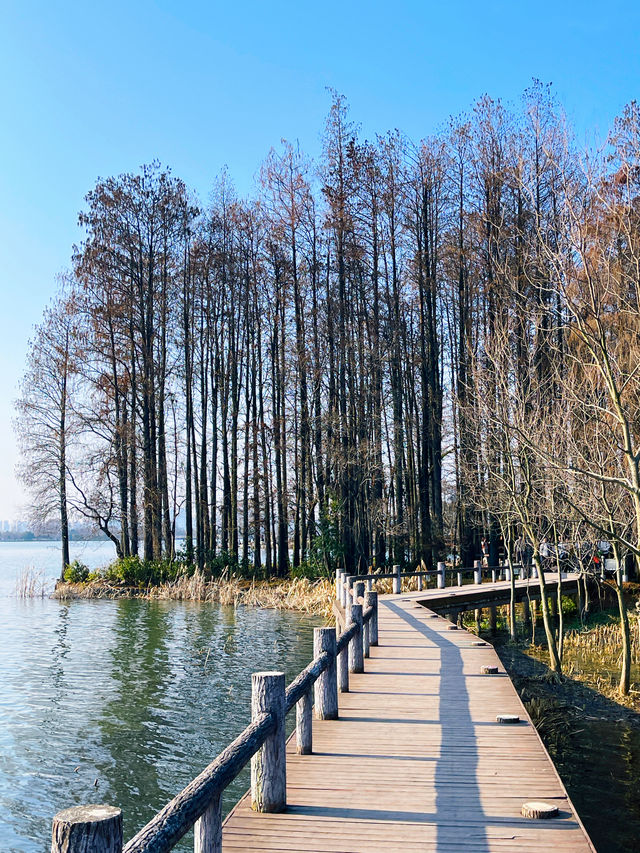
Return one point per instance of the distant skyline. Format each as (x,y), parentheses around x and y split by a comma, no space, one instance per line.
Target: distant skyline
(91,90)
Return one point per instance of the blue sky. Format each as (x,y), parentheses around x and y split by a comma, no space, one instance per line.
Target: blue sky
(92,89)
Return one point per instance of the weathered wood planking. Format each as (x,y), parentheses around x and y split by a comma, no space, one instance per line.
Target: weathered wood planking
(416,760)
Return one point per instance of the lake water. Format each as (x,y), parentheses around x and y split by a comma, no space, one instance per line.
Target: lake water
(121,702)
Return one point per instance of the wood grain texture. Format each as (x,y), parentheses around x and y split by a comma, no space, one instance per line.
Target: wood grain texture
(268,765)
(304,728)
(417,760)
(356,655)
(87,829)
(207,831)
(326,686)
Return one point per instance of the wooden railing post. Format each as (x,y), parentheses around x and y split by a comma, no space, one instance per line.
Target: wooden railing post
(441,578)
(477,572)
(343,666)
(507,572)
(346,594)
(419,583)
(338,584)
(493,575)
(268,765)
(371,600)
(304,729)
(358,591)
(397,581)
(87,828)
(207,831)
(356,657)
(369,583)
(459,578)
(326,686)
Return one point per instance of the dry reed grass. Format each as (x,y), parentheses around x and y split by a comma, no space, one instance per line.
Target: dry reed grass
(305,596)
(31,583)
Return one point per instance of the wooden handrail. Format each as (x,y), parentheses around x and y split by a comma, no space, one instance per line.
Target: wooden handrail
(164,830)
(199,803)
(305,680)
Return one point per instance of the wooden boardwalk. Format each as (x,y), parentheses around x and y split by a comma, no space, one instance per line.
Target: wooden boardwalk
(417,761)
(473,595)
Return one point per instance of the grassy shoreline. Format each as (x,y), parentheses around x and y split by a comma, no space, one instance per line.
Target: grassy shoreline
(314,597)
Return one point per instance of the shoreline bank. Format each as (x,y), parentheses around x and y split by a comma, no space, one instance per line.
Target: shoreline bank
(314,597)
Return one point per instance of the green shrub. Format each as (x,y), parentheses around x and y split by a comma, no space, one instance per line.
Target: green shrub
(76,572)
(133,571)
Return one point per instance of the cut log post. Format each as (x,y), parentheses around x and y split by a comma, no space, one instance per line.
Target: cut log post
(343,670)
(356,658)
(477,572)
(347,593)
(493,576)
(419,579)
(304,723)
(365,638)
(371,600)
(207,830)
(338,584)
(539,811)
(397,581)
(326,686)
(507,572)
(441,577)
(358,592)
(87,829)
(369,584)
(507,719)
(269,765)
(459,578)
(489,670)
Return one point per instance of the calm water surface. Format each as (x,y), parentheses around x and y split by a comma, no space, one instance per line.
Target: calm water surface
(135,696)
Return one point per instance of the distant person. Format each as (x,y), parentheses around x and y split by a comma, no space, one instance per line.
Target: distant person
(523,553)
(545,553)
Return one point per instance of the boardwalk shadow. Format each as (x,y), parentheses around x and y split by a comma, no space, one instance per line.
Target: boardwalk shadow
(454,804)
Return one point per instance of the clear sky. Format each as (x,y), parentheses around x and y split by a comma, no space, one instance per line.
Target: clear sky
(90,89)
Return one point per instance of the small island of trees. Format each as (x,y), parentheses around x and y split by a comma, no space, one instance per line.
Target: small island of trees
(381,357)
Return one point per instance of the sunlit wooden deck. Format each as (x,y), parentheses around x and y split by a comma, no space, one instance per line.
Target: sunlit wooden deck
(417,760)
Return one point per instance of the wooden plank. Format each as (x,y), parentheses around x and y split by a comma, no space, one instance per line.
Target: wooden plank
(417,760)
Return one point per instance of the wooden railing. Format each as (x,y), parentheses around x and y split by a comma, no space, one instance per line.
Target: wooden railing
(198,806)
(99,828)
(345,582)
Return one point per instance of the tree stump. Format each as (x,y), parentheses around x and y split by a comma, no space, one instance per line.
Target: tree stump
(508,719)
(538,810)
(87,829)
